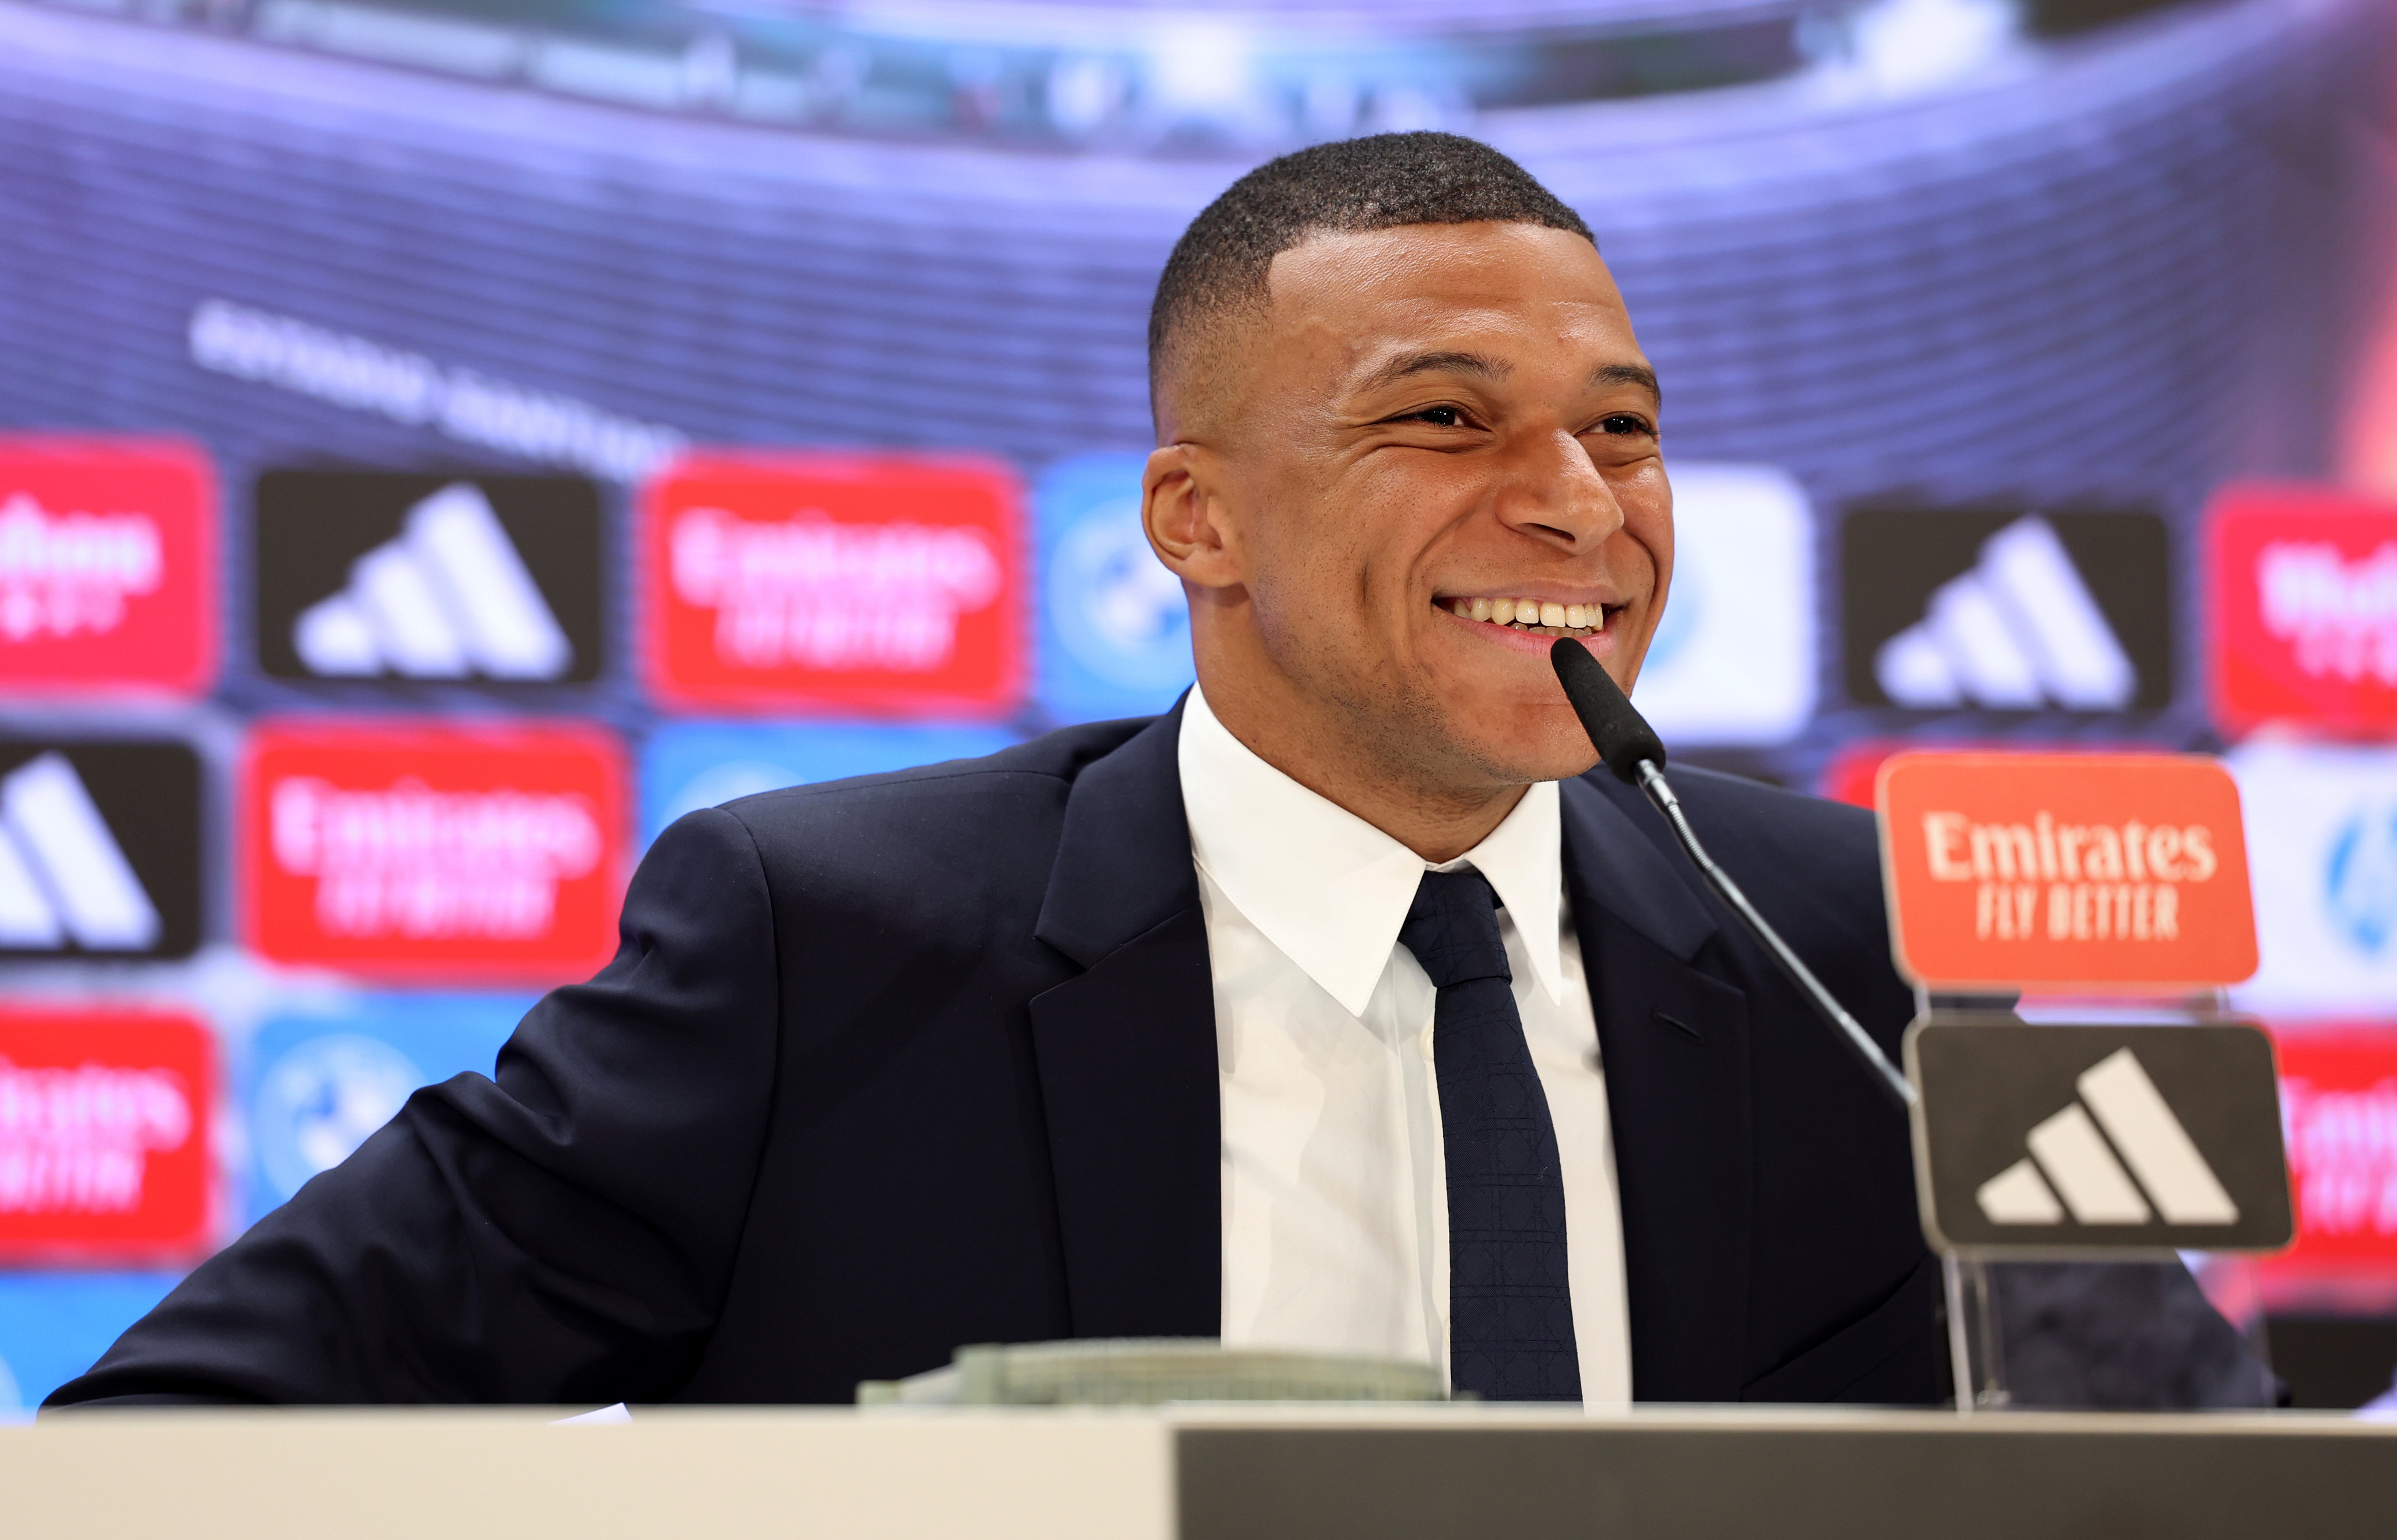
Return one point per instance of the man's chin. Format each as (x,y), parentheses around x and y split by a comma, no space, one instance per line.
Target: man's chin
(1541,744)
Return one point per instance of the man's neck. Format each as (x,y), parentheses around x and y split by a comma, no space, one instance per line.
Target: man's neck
(1437,822)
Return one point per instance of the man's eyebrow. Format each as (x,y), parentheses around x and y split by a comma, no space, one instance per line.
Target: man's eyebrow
(1628,374)
(1408,365)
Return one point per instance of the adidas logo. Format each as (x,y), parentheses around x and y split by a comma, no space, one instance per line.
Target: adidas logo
(2077,1158)
(447,599)
(2019,632)
(62,876)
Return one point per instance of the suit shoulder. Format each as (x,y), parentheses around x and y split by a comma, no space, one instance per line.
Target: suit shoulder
(1812,865)
(1777,817)
(1055,757)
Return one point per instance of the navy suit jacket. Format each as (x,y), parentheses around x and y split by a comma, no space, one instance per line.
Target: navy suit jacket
(893,1065)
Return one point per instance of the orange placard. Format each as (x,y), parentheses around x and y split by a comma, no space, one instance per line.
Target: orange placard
(2103,871)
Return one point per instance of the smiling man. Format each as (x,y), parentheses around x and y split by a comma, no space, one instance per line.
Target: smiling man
(1337,1009)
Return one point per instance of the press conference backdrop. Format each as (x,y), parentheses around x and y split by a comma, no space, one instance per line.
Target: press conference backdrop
(445,442)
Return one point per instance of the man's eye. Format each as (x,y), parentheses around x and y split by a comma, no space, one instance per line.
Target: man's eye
(1440,417)
(1624,422)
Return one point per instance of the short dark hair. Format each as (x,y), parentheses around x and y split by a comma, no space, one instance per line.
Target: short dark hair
(1377,183)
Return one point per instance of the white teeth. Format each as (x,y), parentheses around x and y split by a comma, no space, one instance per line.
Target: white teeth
(1537,615)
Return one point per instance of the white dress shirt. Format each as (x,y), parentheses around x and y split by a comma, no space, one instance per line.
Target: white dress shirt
(1335,1206)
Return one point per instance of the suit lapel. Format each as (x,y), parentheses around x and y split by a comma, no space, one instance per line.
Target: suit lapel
(1127,1053)
(1128,1070)
(1673,1043)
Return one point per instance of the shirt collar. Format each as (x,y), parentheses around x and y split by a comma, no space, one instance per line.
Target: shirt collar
(1329,889)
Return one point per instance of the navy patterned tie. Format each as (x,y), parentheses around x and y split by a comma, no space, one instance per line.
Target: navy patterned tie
(1511,1328)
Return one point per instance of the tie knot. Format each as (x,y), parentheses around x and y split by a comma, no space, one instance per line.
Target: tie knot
(1453,928)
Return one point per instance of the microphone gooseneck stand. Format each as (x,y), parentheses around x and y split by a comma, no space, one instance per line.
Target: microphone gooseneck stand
(1631,749)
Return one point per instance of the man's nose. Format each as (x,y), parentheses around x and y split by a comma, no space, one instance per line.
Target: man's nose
(1554,492)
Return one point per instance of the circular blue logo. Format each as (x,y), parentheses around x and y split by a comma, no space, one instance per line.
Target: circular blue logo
(1118,612)
(319,1103)
(2360,882)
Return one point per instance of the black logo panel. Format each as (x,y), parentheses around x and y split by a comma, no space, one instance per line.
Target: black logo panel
(99,848)
(487,580)
(2051,1139)
(1950,610)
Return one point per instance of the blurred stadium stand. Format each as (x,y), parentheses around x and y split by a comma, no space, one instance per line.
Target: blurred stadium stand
(2044,271)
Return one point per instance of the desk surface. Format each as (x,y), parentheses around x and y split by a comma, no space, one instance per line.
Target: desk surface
(1198,1474)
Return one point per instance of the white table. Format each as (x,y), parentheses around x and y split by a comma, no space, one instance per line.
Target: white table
(1196,1473)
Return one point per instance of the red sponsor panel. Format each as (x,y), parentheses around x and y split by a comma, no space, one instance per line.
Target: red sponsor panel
(105,1133)
(428,852)
(799,581)
(108,557)
(2302,584)
(2107,870)
(2339,1111)
(1851,774)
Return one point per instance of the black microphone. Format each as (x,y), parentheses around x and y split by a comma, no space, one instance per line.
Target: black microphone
(1631,748)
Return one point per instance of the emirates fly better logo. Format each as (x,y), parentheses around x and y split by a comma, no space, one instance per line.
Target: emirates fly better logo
(800,580)
(432,850)
(104,1120)
(2111,870)
(107,565)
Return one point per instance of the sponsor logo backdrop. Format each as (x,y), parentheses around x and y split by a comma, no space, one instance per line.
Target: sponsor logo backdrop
(492,579)
(108,578)
(106,1134)
(54,1324)
(2322,836)
(2303,586)
(100,849)
(377,483)
(429,851)
(692,765)
(314,1086)
(795,582)
(2007,611)
(1114,630)
(2339,1112)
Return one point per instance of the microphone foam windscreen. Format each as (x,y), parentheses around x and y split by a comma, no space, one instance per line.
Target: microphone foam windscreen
(1621,735)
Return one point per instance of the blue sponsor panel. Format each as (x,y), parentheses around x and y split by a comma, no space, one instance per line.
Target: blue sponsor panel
(692,765)
(314,1087)
(53,1326)
(1732,659)
(1115,631)
(2321,853)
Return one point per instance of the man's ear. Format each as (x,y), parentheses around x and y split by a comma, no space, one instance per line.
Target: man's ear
(1182,509)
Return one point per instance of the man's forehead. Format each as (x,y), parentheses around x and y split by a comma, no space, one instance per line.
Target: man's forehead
(1473,298)
(1438,266)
